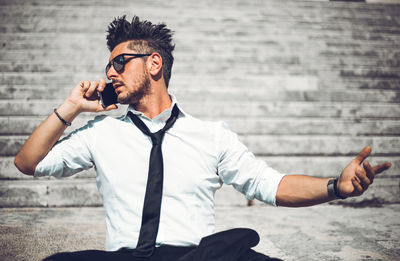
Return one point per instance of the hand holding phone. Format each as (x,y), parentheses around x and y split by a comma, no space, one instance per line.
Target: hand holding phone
(108,96)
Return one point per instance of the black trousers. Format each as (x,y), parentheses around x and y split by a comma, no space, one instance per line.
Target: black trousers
(230,245)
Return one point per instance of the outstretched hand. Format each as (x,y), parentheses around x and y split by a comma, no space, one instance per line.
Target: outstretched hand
(357,176)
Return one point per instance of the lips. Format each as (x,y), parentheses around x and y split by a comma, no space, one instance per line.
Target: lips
(116,86)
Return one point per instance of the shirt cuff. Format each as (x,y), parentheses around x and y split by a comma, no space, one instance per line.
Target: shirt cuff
(268,186)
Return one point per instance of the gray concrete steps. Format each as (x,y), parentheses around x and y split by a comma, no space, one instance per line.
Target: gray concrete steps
(40,75)
(281,82)
(306,84)
(274,145)
(226,94)
(83,192)
(339,10)
(365,83)
(319,166)
(239,109)
(340,75)
(222,51)
(322,43)
(25,125)
(273,63)
(49,193)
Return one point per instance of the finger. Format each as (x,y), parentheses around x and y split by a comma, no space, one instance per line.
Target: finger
(357,179)
(363,154)
(362,175)
(102,85)
(100,108)
(85,85)
(357,186)
(369,171)
(111,107)
(381,167)
(91,92)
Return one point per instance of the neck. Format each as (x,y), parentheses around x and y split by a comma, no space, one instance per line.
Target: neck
(155,102)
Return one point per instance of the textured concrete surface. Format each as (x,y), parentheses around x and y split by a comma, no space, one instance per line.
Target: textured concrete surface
(325,232)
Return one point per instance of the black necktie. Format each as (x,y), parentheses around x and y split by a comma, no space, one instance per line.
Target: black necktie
(154,187)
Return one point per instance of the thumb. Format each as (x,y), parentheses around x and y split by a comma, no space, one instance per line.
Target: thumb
(111,107)
(366,151)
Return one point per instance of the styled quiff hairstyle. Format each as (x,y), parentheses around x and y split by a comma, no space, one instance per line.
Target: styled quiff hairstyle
(144,37)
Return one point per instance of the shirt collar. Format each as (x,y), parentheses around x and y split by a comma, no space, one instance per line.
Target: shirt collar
(163,116)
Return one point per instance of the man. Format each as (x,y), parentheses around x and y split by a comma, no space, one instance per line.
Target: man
(158,168)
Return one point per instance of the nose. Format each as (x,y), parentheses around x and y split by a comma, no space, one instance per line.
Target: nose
(111,73)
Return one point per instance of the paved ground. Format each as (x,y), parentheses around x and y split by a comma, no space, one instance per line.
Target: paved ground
(326,232)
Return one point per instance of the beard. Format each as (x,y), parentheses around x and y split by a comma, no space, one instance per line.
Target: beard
(135,96)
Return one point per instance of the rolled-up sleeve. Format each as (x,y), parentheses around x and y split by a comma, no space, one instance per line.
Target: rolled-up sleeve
(238,167)
(68,156)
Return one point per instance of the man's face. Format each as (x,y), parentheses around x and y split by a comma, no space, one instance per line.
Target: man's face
(133,83)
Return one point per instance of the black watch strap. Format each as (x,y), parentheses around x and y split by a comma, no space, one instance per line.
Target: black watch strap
(333,190)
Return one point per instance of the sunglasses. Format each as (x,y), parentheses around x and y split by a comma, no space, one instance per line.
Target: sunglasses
(119,61)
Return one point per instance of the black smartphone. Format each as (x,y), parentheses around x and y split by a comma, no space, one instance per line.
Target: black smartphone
(108,95)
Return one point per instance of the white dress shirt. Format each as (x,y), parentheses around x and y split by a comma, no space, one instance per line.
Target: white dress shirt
(198,157)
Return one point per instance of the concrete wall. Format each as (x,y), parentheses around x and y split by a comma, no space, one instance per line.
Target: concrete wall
(306,84)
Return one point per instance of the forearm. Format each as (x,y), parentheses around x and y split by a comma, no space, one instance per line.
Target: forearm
(302,191)
(83,97)
(43,138)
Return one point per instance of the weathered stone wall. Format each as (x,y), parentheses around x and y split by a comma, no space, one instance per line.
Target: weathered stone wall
(306,84)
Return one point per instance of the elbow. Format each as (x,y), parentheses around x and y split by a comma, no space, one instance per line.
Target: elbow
(22,166)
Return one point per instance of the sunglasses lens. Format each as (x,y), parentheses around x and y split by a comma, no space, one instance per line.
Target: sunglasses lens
(118,66)
(119,62)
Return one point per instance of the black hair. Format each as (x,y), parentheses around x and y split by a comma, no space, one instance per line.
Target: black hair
(145,37)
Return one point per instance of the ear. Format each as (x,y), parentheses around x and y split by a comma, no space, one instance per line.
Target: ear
(154,64)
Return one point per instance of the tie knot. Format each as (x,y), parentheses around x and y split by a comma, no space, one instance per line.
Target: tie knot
(157,137)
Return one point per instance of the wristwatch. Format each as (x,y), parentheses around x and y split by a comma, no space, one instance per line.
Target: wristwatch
(333,190)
